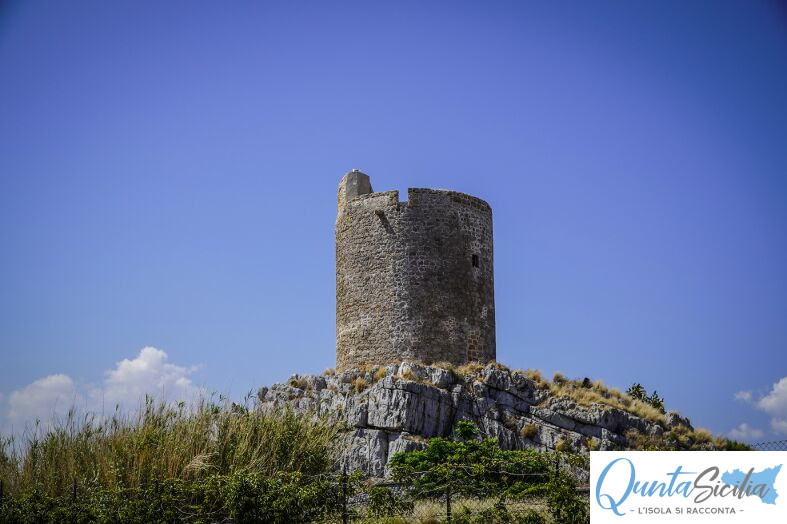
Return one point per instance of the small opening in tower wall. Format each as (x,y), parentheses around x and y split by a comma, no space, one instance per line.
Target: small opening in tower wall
(475,260)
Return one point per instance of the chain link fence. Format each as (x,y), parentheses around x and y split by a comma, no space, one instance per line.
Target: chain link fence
(397,503)
(394,503)
(342,499)
(775,445)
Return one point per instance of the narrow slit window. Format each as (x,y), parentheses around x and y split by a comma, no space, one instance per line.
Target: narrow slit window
(475,260)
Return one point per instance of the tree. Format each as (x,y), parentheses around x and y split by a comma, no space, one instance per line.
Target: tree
(656,401)
(637,391)
(468,465)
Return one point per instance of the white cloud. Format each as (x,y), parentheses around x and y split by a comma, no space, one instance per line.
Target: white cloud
(744,432)
(743,395)
(148,373)
(125,385)
(779,425)
(43,399)
(774,403)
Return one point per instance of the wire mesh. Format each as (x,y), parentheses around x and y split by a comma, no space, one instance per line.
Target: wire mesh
(775,445)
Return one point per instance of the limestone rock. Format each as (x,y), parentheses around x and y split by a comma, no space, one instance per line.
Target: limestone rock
(400,409)
(674,419)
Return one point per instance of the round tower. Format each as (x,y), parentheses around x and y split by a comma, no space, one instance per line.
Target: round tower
(414,280)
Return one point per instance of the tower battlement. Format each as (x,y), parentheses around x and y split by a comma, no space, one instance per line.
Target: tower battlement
(414,279)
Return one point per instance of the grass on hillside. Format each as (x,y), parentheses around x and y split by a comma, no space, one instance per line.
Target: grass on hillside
(165,441)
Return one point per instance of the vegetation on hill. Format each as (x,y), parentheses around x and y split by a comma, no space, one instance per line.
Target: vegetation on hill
(221,461)
(164,441)
(217,461)
(468,469)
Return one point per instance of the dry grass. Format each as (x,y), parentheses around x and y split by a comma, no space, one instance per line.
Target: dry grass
(409,374)
(564,446)
(444,365)
(432,511)
(535,376)
(298,382)
(329,372)
(585,393)
(367,368)
(164,441)
(497,365)
(599,394)
(702,436)
(359,384)
(646,411)
(529,431)
(470,369)
(379,374)
(680,438)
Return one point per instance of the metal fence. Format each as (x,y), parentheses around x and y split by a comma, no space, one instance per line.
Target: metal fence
(774,445)
(468,500)
(388,506)
(392,502)
(351,499)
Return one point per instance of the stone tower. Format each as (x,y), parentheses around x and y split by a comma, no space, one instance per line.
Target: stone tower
(414,280)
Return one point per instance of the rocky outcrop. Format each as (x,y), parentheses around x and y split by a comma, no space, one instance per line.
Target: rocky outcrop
(396,408)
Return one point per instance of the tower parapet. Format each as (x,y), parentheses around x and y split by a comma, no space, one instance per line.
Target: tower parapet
(415,279)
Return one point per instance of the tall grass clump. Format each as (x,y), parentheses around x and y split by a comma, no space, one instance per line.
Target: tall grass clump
(586,393)
(164,441)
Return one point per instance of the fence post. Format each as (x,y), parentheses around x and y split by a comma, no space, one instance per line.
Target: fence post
(448,503)
(558,515)
(345,516)
(74,500)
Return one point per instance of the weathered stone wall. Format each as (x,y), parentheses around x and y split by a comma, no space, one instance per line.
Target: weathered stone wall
(415,279)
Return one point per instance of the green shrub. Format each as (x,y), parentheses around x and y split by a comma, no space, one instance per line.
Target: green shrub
(497,514)
(385,503)
(467,465)
(285,497)
(637,392)
(566,506)
(240,498)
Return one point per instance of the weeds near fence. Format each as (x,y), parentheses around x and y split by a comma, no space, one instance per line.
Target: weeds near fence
(164,442)
(224,462)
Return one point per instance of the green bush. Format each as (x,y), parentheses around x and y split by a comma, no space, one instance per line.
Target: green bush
(565,505)
(636,391)
(385,503)
(241,498)
(498,514)
(474,468)
(467,465)
(283,498)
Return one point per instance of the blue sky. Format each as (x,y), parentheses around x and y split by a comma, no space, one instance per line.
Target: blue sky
(168,175)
